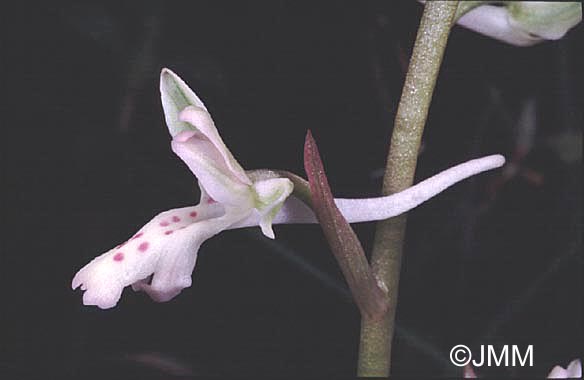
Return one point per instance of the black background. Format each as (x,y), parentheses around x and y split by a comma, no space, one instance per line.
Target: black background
(86,161)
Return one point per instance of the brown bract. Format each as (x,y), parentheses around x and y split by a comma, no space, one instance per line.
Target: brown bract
(368,295)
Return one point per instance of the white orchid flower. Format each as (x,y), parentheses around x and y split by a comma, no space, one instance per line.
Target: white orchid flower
(166,247)
(523,23)
(573,371)
(159,259)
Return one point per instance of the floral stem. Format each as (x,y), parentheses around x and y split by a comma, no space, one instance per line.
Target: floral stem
(377,333)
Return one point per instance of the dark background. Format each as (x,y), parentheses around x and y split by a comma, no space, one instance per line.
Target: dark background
(86,161)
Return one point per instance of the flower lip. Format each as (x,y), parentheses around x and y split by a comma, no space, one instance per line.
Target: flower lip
(153,260)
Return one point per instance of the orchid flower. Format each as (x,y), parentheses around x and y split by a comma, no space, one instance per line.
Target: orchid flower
(519,23)
(160,258)
(523,23)
(166,247)
(573,371)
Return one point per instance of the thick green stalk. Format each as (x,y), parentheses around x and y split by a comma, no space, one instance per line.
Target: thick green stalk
(377,333)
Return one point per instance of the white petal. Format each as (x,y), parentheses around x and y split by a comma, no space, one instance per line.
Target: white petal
(271,194)
(207,164)
(185,112)
(544,19)
(205,198)
(493,21)
(176,264)
(558,373)
(176,96)
(172,236)
(575,369)
(201,119)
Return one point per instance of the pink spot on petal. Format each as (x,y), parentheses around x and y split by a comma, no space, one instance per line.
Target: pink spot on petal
(168,232)
(143,246)
(175,219)
(193,214)
(139,234)
(164,223)
(119,256)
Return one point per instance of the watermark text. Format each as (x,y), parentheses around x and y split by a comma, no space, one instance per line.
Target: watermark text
(507,355)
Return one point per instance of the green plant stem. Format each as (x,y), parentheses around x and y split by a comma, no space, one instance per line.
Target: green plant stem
(377,332)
